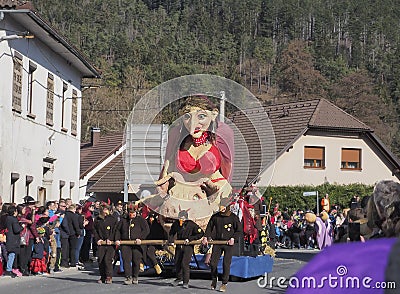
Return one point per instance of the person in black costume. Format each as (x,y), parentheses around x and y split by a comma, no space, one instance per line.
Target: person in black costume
(135,228)
(157,232)
(186,230)
(104,230)
(225,226)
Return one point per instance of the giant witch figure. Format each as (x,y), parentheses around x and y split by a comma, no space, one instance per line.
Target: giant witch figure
(198,163)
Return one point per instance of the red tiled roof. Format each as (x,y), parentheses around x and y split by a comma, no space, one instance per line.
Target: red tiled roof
(91,156)
(329,115)
(110,178)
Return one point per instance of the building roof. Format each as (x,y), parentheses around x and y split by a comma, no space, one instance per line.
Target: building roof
(110,179)
(289,121)
(328,115)
(93,155)
(31,19)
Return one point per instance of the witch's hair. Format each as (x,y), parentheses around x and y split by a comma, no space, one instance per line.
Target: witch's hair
(200,101)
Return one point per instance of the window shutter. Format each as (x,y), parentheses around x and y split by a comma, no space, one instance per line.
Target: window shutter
(314,153)
(351,155)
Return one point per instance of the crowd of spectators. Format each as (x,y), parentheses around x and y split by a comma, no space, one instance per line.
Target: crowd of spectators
(372,264)
(311,230)
(43,239)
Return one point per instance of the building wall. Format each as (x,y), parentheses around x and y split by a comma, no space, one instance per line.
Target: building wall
(289,171)
(25,142)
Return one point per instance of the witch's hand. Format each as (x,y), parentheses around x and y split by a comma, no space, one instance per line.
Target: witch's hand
(163,186)
(220,189)
(211,190)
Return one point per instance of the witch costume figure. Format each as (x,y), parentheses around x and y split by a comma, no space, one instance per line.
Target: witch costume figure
(198,163)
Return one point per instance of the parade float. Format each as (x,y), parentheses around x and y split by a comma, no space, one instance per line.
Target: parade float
(198,168)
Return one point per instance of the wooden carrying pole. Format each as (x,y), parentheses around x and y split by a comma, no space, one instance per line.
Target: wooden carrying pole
(198,242)
(165,242)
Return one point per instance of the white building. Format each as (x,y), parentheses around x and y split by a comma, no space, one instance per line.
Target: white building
(40,108)
(310,143)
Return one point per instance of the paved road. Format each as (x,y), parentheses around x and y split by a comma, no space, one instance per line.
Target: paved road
(286,263)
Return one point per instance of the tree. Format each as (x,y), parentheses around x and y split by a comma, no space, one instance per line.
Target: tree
(297,76)
(356,94)
(318,43)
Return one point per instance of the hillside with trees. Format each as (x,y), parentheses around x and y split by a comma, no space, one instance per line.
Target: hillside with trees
(346,51)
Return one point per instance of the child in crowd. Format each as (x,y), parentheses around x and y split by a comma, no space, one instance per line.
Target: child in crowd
(38,264)
(56,248)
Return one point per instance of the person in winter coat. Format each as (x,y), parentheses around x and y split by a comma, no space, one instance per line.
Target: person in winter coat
(87,211)
(3,217)
(27,219)
(104,230)
(64,235)
(55,260)
(82,222)
(13,240)
(75,230)
(186,230)
(132,228)
(157,232)
(225,226)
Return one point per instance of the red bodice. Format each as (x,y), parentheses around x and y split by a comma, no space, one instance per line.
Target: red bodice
(209,163)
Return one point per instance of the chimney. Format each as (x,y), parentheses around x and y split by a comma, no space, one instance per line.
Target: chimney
(95,136)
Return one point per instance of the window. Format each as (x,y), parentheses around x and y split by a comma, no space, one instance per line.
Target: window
(14,179)
(314,157)
(74,114)
(64,98)
(351,158)
(17,83)
(62,184)
(28,181)
(32,68)
(50,100)
(71,187)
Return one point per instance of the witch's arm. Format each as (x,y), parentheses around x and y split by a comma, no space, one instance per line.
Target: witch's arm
(163,182)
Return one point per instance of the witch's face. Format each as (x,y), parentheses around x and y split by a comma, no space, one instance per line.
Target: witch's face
(198,120)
